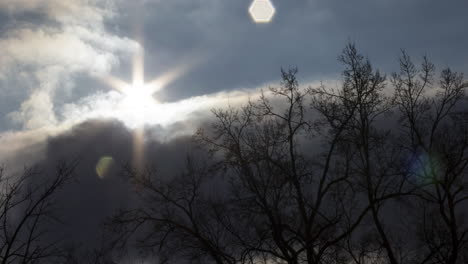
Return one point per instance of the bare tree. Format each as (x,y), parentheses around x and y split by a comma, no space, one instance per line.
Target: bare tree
(300,205)
(177,217)
(353,112)
(277,203)
(436,134)
(28,210)
(289,183)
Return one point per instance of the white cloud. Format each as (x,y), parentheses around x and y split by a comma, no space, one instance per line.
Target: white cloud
(74,49)
(89,12)
(36,112)
(113,105)
(53,53)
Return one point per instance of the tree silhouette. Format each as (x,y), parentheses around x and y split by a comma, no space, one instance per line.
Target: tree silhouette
(435,134)
(373,171)
(28,211)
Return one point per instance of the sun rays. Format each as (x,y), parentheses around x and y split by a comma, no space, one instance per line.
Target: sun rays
(138,105)
(138,90)
(134,104)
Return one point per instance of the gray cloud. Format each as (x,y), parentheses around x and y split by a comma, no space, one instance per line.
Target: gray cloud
(85,204)
(308,34)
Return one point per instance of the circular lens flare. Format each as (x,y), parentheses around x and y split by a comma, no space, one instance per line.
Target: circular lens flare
(103,166)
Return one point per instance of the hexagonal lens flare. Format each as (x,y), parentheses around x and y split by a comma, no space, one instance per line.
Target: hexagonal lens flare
(262,11)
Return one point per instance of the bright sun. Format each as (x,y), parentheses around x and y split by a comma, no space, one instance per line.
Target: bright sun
(139,95)
(137,107)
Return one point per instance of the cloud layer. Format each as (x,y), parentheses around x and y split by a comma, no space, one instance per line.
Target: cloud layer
(51,46)
(44,58)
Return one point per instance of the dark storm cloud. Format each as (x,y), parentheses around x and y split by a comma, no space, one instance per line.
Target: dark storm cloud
(86,203)
(309,34)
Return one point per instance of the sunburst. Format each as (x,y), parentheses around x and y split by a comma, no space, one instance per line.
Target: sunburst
(139,99)
(140,93)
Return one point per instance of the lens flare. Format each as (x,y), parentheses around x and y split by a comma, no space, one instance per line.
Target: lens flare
(262,11)
(424,168)
(103,166)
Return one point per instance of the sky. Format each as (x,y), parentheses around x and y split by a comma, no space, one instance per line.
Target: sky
(53,52)
(59,59)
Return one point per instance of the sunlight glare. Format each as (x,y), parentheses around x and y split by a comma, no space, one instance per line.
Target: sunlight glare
(168,77)
(138,96)
(138,160)
(135,102)
(138,67)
